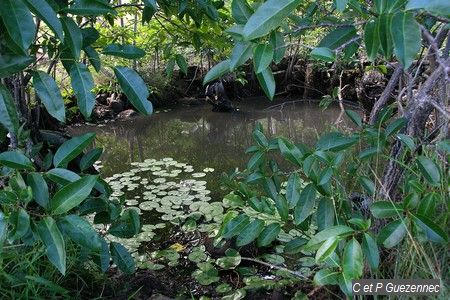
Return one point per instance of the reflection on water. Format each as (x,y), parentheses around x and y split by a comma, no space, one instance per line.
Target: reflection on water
(202,138)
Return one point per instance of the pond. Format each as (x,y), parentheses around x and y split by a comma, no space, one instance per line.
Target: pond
(168,167)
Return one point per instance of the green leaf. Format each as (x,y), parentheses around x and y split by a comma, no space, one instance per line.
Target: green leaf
(124,51)
(90,158)
(323,53)
(241,11)
(18,22)
(428,204)
(90,36)
(50,95)
(383,23)
(326,249)
(10,64)
(294,246)
(182,64)
(320,237)
(62,176)
(282,207)
(267,17)
(230,261)
(367,184)
(46,13)
(325,176)
(408,141)
(90,8)
(242,51)
(341,5)
(385,209)
(326,277)
(354,116)
(352,261)
(54,242)
(39,187)
(83,83)
(73,37)
(306,204)
(72,195)
(290,152)
(262,57)
(325,213)
(127,226)
(270,188)
(256,160)
(147,14)
(134,88)
(94,58)
(8,112)
(337,37)
(370,251)
(21,222)
(3,229)
(335,141)
(250,233)
(433,232)
(367,154)
(267,82)
(122,258)
(392,234)
(293,190)
(268,235)
(235,226)
(80,231)
(371,39)
(438,7)
(279,47)
(70,149)
(407,37)
(429,170)
(217,71)
(151,3)
(260,138)
(15,160)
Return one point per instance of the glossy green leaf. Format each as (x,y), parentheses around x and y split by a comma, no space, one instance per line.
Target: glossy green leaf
(367,184)
(406,36)
(256,160)
(323,53)
(3,229)
(326,277)
(325,176)
(94,58)
(282,207)
(241,53)
(73,37)
(335,141)
(325,213)
(54,242)
(385,209)
(18,22)
(408,141)
(182,64)
(90,158)
(341,5)
(354,116)
(10,64)
(62,176)
(241,11)
(260,138)
(352,261)
(250,233)
(290,152)
(124,51)
(392,234)
(235,226)
(439,7)
(371,40)
(278,44)
(270,188)
(90,8)
(50,95)
(80,231)
(268,235)
(40,188)
(429,170)
(267,82)
(320,237)
(295,246)
(337,37)
(262,57)
(293,190)
(21,224)
(15,160)
(70,149)
(72,195)
(267,17)
(326,249)
(127,226)
(306,204)
(83,83)
(46,13)
(122,258)
(433,232)
(428,204)
(90,36)
(102,257)
(370,251)
(383,23)
(8,112)
(135,89)
(217,71)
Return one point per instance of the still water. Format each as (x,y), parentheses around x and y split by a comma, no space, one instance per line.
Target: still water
(206,139)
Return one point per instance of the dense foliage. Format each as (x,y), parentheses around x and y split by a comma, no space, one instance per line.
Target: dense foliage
(383,186)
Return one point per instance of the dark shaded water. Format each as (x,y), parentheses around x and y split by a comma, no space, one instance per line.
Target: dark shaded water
(206,139)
